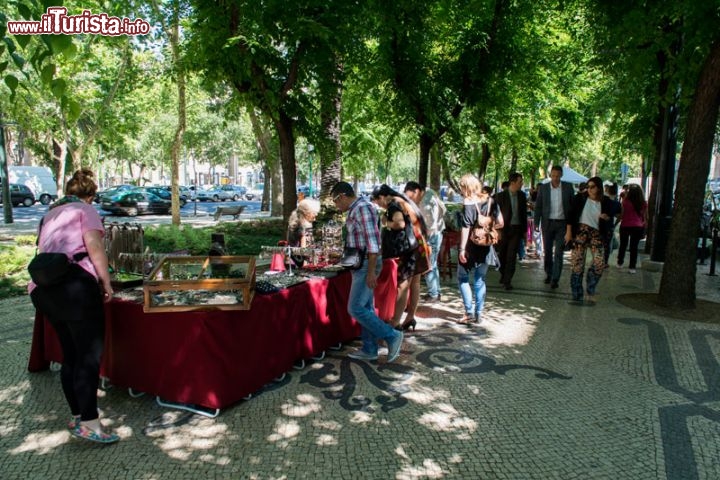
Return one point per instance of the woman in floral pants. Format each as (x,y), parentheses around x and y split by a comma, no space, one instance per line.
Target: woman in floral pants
(587,223)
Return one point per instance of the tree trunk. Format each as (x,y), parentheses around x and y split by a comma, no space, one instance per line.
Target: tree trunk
(426,143)
(484,160)
(447,174)
(273,196)
(330,148)
(284,126)
(268,160)
(59,154)
(654,171)
(435,167)
(485,151)
(677,286)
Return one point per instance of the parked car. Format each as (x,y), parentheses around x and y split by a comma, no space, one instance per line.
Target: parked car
(111,192)
(256,193)
(213,194)
(136,202)
(304,189)
(186,194)
(237,191)
(20,195)
(164,193)
(38,179)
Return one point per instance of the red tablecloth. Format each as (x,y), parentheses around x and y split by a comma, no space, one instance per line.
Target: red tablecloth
(216,358)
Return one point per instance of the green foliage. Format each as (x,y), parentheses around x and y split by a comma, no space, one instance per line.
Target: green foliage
(13,269)
(244,238)
(25,240)
(171,238)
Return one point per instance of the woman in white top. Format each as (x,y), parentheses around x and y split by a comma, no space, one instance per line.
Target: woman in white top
(587,222)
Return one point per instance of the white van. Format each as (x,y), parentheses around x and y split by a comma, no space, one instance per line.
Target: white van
(39,179)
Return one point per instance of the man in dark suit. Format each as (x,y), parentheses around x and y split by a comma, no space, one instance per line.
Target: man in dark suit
(513,205)
(551,211)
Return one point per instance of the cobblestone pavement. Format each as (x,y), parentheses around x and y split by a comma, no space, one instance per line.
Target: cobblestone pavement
(541,390)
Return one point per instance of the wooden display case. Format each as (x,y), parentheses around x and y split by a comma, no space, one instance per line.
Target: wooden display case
(187,283)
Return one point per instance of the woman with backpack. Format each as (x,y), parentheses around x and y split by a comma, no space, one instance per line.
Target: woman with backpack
(74,303)
(479,210)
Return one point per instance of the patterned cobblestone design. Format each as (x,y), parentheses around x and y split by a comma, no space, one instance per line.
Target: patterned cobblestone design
(541,390)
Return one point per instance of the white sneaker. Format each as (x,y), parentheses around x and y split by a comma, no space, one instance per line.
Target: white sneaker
(361,354)
(632,271)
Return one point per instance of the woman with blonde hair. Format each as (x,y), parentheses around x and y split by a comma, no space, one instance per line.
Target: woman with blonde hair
(300,223)
(74,305)
(472,257)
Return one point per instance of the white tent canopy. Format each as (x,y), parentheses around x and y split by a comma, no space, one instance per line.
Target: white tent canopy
(569,175)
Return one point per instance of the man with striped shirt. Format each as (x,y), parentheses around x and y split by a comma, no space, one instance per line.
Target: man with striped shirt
(363,234)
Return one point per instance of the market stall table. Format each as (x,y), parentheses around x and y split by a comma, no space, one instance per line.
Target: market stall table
(216,358)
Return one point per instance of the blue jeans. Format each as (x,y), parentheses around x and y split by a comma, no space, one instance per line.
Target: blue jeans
(478,287)
(361,306)
(432,278)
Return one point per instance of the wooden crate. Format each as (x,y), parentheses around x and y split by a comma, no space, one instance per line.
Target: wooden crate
(187,283)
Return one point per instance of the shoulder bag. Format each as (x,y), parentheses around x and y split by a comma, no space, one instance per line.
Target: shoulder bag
(353,258)
(484,233)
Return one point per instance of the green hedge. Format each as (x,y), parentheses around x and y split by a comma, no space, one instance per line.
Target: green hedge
(242,238)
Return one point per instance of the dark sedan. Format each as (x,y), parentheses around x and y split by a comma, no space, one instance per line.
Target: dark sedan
(165,194)
(112,191)
(136,202)
(20,195)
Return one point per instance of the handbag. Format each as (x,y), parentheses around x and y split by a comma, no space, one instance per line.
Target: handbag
(48,268)
(396,243)
(483,233)
(492,258)
(353,258)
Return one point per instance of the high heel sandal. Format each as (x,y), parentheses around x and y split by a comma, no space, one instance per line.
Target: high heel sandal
(407,325)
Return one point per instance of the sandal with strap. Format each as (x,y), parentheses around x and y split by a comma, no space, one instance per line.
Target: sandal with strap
(74,422)
(86,433)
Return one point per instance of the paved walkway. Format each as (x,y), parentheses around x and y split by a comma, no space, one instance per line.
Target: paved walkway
(543,390)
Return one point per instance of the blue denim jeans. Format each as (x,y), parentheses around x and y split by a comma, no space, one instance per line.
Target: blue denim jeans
(432,278)
(478,288)
(361,306)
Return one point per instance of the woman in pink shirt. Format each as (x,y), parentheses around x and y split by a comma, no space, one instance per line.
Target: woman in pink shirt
(74,306)
(632,225)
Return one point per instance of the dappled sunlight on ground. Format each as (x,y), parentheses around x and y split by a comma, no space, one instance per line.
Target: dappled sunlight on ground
(42,442)
(429,468)
(14,394)
(304,405)
(511,326)
(424,395)
(188,441)
(284,432)
(445,418)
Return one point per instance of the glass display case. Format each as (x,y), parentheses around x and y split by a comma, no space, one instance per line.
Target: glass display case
(187,283)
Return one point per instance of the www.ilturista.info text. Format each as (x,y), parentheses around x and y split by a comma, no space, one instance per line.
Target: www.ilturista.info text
(57,22)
